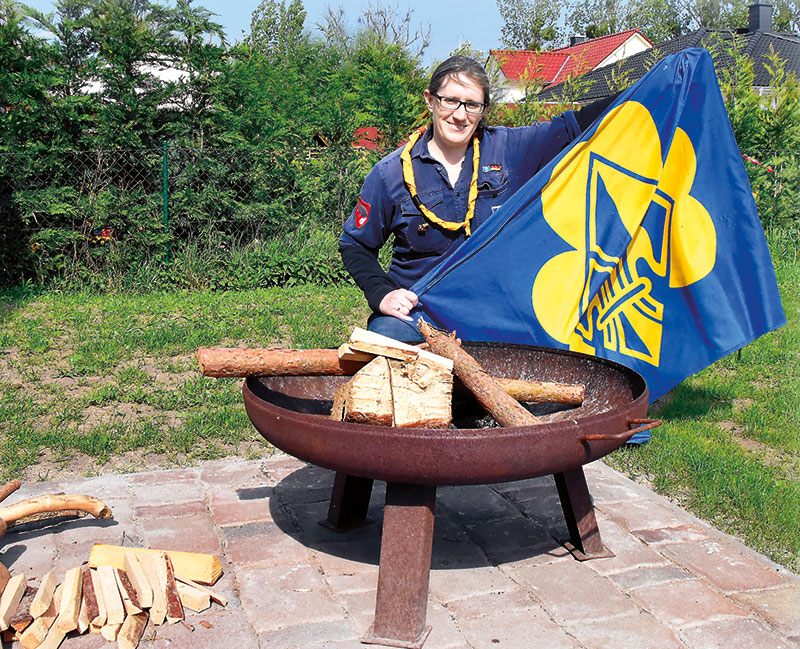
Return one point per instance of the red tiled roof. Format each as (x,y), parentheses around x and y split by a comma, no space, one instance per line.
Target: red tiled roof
(366,137)
(574,60)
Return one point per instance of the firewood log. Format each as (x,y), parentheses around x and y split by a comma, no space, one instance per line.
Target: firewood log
(12,595)
(54,503)
(70,601)
(22,618)
(504,408)
(132,631)
(204,568)
(9,488)
(222,362)
(41,602)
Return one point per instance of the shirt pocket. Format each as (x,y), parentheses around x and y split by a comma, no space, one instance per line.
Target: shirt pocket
(492,184)
(421,235)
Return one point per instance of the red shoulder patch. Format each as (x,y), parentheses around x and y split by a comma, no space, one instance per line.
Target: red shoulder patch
(362,212)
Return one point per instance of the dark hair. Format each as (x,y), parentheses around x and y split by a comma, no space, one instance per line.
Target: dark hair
(467,66)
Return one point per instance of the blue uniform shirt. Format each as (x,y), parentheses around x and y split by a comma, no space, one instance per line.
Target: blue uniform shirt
(509,157)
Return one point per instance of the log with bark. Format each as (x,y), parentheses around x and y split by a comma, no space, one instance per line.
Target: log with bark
(503,407)
(51,505)
(242,363)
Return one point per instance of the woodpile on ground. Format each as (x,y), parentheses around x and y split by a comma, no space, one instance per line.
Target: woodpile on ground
(116,595)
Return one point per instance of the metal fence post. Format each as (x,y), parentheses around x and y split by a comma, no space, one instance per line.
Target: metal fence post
(166,201)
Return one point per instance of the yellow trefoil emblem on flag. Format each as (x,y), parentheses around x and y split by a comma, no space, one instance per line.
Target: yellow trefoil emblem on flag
(632,223)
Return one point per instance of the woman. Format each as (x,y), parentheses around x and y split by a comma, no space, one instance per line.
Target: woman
(437,189)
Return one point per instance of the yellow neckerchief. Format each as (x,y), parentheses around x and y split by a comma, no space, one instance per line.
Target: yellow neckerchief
(408,177)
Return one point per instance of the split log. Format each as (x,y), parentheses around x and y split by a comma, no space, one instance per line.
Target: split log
(55,636)
(22,618)
(214,595)
(44,595)
(110,631)
(115,611)
(221,362)
(373,343)
(96,623)
(70,601)
(132,631)
(54,503)
(204,568)
(12,595)
(138,580)
(325,362)
(504,408)
(367,397)
(130,599)
(151,564)
(36,632)
(5,575)
(90,604)
(193,598)
(83,617)
(174,607)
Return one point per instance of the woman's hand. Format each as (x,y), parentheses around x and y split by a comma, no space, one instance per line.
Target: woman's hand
(398,303)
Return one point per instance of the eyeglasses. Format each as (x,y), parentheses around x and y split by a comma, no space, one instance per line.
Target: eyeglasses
(451,103)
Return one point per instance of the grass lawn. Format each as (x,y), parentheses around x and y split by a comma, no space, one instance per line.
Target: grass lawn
(96,383)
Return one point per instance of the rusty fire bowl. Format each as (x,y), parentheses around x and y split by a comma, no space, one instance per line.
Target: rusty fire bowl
(292,414)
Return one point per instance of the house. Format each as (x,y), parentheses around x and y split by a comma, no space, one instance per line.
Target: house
(517,70)
(756,41)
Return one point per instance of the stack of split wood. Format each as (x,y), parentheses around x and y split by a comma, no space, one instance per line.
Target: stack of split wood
(117,595)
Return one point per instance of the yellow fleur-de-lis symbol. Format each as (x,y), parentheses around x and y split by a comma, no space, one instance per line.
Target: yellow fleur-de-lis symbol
(615,202)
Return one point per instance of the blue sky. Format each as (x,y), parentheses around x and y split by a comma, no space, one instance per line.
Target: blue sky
(451,23)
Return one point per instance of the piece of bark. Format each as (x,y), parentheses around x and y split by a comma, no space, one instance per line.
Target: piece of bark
(23,617)
(9,488)
(110,631)
(130,600)
(222,362)
(10,635)
(138,579)
(150,565)
(54,503)
(44,595)
(204,568)
(174,607)
(193,598)
(503,407)
(214,595)
(70,601)
(12,595)
(5,576)
(132,631)
(100,618)
(370,342)
(115,610)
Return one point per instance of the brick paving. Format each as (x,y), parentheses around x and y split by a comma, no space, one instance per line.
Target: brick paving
(498,578)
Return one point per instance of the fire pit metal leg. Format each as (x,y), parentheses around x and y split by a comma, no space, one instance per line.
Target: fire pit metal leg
(402,600)
(349,503)
(584,535)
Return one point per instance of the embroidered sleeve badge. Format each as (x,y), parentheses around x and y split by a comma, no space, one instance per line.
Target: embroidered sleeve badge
(362,212)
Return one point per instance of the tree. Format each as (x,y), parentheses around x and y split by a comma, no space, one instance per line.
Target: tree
(276,30)
(659,20)
(722,14)
(597,17)
(529,24)
(386,24)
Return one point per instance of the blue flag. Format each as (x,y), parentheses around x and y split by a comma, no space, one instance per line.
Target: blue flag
(639,243)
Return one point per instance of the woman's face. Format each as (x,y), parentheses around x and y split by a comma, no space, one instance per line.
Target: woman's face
(454,128)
